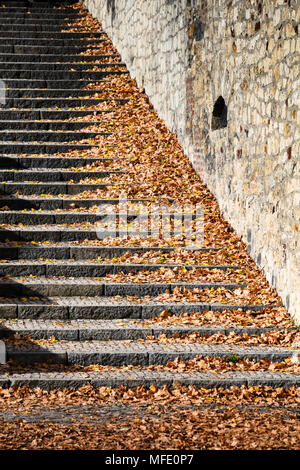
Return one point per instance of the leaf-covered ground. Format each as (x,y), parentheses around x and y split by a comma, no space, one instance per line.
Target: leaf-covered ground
(178,418)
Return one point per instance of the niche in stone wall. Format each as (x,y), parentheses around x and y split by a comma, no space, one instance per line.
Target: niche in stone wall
(219,115)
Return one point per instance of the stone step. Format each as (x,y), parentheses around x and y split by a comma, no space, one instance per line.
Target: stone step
(56,58)
(38,217)
(46,136)
(62,202)
(48,114)
(20,202)
(37,8)
(87,330)
(15,15)
(90,268)
(51,28)
(40,5)
(58,102)
(27,32)
(50,188)
(52,93)
(59,66)
(52,175)
(18,15)
(37,162)
(47,84)
(106,308)
(84,286)
(68,233)
(55,6)
(40,147)
(60,22)
(28,45)
(48,126)
(67,94)
(146,378)
(65,233)
(62,74)
(114,353)
(41,136)
(67,251)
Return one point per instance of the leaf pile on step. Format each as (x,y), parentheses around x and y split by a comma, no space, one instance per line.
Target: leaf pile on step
(270,338)
(266,317)
(197,364)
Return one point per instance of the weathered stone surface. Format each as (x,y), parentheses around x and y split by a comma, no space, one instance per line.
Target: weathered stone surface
(133,378)
(102,330)
(118,353)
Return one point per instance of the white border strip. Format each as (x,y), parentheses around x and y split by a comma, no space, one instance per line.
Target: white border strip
(2,353)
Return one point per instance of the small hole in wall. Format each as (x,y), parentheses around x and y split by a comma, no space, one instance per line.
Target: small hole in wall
(259,7)
(219,116)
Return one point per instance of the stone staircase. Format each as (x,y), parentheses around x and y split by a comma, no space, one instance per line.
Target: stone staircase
(51,287)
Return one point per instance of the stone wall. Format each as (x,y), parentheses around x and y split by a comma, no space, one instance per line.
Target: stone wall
(224,75)
(149,35)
